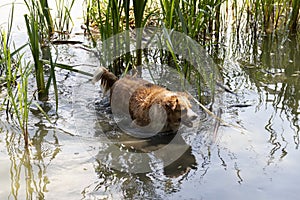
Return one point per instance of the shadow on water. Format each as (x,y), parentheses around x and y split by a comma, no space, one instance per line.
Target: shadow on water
(144,185)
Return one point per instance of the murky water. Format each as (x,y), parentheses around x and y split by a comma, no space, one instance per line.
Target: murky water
(84,155)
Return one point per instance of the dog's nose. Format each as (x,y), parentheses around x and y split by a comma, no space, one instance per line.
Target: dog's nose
(191,115)
(194,117)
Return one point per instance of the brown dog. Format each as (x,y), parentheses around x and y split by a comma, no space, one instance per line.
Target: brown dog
(152,108)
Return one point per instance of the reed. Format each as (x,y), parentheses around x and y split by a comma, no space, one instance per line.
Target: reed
(197,19)
(111,18)
(139,8)
(45,15)
(126,5)
(39,11)
(294,17)
(63,21)
(16,82)
(107,18)
(33,33)
(39,29)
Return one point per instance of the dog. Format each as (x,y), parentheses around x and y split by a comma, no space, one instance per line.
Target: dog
(152,108)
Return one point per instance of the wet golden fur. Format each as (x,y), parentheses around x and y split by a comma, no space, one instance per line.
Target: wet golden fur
(146,102)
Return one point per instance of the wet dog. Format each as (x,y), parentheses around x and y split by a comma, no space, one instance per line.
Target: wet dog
(149,106)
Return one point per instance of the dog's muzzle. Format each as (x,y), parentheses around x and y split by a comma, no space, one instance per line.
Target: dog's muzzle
(188,119)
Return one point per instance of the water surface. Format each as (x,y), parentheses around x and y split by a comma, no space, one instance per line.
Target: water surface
(76,157)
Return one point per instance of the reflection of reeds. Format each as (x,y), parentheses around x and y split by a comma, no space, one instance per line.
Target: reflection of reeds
(28,170)
(277,81)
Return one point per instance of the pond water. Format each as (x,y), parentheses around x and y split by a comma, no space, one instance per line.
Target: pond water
(84,155)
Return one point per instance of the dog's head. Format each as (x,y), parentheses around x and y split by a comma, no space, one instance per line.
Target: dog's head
(179,110)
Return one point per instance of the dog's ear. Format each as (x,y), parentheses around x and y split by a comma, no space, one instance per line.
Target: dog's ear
(172,102)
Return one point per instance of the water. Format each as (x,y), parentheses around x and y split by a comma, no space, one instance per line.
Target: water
(79,156)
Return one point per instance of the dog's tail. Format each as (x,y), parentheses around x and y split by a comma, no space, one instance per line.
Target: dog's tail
(107,78)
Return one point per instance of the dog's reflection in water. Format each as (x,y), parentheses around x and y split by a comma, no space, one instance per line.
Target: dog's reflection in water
(139,155)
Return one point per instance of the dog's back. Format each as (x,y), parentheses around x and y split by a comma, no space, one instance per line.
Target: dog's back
(120,89)
(124,86)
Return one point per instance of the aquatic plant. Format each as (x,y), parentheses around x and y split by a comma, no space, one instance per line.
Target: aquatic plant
(33,33)
(138,9)
(108,20)
(273,15)
(294,17)
(111,18)
(40,29)
(15,82)
(15,70)
(63,18)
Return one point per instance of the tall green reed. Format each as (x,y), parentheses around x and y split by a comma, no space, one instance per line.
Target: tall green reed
(63,21)
(273,15)
(139,8)
(33,33)
(44,10)
(16,82)
(107,17)
(40,29)
(39,11)
(113,17)
(38,24)
(294,17)
(196,19)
